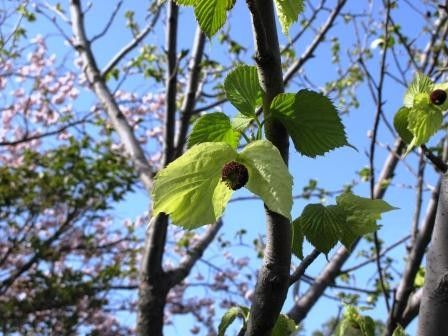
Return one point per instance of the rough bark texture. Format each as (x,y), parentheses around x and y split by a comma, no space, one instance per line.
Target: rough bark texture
(273,278)
(433,314)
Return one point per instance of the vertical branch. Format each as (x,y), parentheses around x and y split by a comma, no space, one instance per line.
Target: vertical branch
(152,287)
(171,80)
(373,144)
(273,278)
(191,90)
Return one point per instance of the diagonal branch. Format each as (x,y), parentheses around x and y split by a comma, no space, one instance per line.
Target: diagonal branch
(178,274)
(302,307)
(309,52)
(131,45)
(119,122)
(191,90)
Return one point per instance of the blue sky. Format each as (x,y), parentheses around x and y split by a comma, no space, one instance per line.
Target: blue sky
(332,171)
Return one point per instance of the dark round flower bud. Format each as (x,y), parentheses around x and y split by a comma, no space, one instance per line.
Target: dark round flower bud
(235,175)
(438,97)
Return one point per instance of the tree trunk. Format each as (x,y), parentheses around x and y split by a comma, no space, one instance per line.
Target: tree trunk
(273,278)
(433,316)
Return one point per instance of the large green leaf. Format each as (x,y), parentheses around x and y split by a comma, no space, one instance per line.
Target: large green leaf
(423,123)
(420,84)
(243,89)
(311,120)
(322,225)
(288,12)
(230,316)
(401,124)
(212,14)
(213,127)
(269,177)
(189,188)
(362,215)
(284,326)
(350,218)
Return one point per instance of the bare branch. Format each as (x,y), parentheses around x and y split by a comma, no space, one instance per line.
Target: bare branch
(103,93)
(300,270)
(109,22)
(194,254)
(131,45)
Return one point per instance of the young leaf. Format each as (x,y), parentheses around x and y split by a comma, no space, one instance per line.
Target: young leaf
(354,324)
(401,124)
(240,122)
(420,84)
(297,239)
(230,316)
(284,326)
(243,89)
(288,12)
(212,14)
(269,177)
(399,331)
(322,225)
(362,214)
(311,120)
(213,127)
(189,188)
(423,123)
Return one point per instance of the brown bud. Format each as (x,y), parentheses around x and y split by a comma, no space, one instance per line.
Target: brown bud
(235,175)
(438,97)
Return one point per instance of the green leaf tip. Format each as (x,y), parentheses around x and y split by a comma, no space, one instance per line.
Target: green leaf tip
(288,12)
(212,14)
(213,127)
(243,89)
(312,122)
(351,217)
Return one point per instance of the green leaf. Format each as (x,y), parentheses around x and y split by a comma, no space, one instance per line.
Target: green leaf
(284,326)
(420,84)
(212,14)
(185,2)
(419,280)
(354,324)
(423,124)
(362,216)
(240,122)
(399,331)
(297,239)
(269,177)
(288,12)
(322,225)
(401,124)
(189,188)
(230,316)
(243,89)
(213,127)
(311,120)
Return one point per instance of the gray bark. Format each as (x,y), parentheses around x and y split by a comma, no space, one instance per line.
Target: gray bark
(433,316)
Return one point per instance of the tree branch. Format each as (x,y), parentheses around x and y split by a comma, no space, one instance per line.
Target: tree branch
(273,278)
(302,307)
(178,274)
(317,40)
(191,90)
(103,93)
(414,260)
(131,45)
